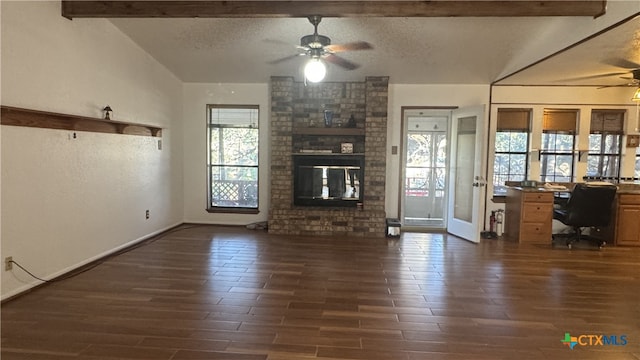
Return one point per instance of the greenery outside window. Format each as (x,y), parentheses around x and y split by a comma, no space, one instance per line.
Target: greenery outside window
(232,161)
(558,145)
(511,148)
(605,143)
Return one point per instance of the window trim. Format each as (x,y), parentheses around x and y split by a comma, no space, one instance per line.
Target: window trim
(229,209)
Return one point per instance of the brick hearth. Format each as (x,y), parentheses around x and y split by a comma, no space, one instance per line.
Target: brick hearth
(294,105)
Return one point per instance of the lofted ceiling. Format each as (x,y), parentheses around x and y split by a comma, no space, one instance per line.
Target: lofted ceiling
(455,42)
(605,58)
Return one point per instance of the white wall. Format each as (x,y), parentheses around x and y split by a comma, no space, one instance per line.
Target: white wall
(67,201)
(196,97)
(422,96)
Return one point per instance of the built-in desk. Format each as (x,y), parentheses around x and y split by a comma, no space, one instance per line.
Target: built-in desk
(624,228)
(529,215)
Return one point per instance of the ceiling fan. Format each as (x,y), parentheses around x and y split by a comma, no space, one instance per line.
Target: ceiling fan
(317,47)
(634,79)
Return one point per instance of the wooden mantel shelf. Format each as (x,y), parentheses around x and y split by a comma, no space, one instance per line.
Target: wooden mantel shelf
(328,131)
(44,119)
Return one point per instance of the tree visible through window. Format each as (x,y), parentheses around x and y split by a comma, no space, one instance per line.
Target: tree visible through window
(232,158)
(511,149)
(605,146)
(558,144)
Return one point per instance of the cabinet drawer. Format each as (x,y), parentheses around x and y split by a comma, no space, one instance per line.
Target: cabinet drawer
(536,213)
(629,199)
(535,233)
(546,197)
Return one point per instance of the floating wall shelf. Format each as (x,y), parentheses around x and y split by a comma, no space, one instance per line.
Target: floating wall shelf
(328,131)
(43,119)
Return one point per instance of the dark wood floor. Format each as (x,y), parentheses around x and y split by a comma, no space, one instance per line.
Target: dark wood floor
(210,292)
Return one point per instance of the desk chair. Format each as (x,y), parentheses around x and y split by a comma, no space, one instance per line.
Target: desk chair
(589,205)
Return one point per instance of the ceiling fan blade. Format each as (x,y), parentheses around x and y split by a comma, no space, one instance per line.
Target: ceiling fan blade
(622,63)
(344,63)
(589,77)
(358,45)
(621,85)
(286,58)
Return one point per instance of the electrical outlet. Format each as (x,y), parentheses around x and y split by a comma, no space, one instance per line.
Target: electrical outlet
(146,214)
(8,263)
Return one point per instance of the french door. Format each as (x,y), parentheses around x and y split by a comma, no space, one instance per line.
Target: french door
(466,168)
(424,160)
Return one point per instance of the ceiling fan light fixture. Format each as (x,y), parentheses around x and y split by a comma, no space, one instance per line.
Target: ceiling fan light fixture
(636,95)
(315,70)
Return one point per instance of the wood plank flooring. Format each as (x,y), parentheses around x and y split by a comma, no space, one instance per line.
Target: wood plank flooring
(210,292)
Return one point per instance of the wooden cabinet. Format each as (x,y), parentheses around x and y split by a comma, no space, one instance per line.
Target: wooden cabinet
(628,220)
(528,215)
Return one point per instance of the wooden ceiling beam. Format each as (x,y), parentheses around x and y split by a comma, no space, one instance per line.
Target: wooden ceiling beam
(328,8)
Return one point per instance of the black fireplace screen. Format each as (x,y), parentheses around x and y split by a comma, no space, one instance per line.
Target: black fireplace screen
(328,180)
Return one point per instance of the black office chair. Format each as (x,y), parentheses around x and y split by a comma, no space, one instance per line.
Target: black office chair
(589,205)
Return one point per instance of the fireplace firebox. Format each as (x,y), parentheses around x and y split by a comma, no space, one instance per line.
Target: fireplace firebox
(328,180)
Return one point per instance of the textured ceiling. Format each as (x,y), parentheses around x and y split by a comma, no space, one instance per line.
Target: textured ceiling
(604,59)
(408,50)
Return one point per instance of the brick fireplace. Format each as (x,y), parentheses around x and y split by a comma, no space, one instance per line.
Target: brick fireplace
(297,124)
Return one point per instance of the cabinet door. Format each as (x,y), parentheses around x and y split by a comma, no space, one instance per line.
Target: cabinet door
(628,225)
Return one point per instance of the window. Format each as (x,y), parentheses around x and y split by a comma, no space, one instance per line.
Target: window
(512,143)
(558,143)
(232,158)
(605,141)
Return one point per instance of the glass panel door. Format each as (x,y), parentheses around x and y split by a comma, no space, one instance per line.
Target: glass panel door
(425,172)
(467,167)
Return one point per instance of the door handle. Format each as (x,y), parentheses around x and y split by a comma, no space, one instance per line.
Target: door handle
(479,181)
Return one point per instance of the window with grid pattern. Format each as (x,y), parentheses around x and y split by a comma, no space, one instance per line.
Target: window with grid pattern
(232,142)
(511,148)
(605,143)
(558,145)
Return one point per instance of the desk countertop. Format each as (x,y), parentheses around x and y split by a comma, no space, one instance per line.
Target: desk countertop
(538,189)
(628,191)
(624,190)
